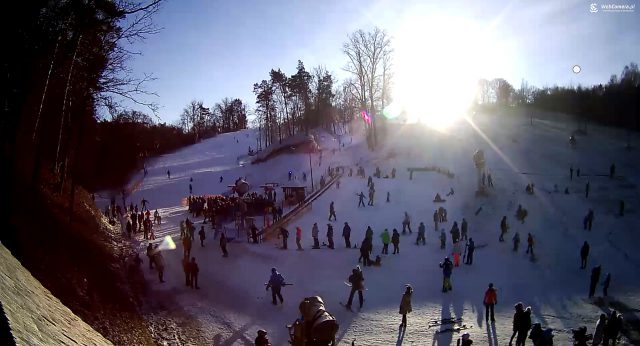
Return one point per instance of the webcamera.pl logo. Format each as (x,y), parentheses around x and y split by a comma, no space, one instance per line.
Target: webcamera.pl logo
(595,8)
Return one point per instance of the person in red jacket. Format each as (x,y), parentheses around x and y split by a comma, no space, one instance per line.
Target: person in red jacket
(299,237)
(490,300)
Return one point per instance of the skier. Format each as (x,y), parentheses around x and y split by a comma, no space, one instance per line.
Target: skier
(284,234)
(332,212)
(443,239)
(586,191)
(193,271)
(584,253)
(186,246)
(455,232)
(612,171)
(357,284)
(598,333)
(385,241)
(346,234)
(405,305)
(464,229)
(516,241)
(276,281)
(395,240)
(314,233)
(530,242)
(588,220)
(421,234)
(605,284)
(168,174)
(223,245)
(595,278)
(330,236)
(471,247)
(406,223)
(360,199)
(202,235)
(465,340)
(490,301)
(503,228)
(261,339)
(299,237)
(447,270)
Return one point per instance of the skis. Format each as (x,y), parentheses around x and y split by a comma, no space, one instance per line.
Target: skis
(453,329)
(444,321)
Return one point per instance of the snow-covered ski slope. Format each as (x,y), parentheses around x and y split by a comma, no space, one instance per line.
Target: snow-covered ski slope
(232,302)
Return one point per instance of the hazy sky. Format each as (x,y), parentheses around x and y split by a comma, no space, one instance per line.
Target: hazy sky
(208,50)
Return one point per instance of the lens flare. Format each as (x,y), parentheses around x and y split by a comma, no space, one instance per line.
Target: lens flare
(167,244)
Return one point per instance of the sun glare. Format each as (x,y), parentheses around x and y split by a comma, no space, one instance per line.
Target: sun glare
(438,63)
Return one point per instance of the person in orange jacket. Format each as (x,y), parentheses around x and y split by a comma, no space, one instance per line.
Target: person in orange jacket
(490,300)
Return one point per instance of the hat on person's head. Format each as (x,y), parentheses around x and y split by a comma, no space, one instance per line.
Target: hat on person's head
(262,332)
(466,336)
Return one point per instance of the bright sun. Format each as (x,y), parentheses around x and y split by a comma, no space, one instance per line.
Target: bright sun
(438,62)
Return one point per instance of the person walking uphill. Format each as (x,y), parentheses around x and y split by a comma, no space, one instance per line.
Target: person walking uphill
(447,270)
(385,241)
(405,305)
(276,281)
(395,240)
(346,234)
(332,212)
(357,284)
(490,301)
(584,253)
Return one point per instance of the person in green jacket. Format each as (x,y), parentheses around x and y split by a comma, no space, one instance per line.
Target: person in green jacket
(385,241)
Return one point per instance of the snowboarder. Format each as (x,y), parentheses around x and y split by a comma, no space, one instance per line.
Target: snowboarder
(586,191)
(357,284)
(464,229)
(385,241)
(471,247)
(490,301)
(223,245)
(330,236)
(193,272)
(261,339)
(455,232)
(516,241)
(605,285)
(595,278)
(395,240)
(284,234)
(436,219)
(406,223)
(443,239)
(598,333)
(504,226)
(421,234)
(405,305)
(612,171)
(299,237)
(447,270)
(530,243)
(584,253)
(588,220)
(360,199)
(346,234)
(314,233)
(202,235)
(168,174)
(276,281)
(332,212)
